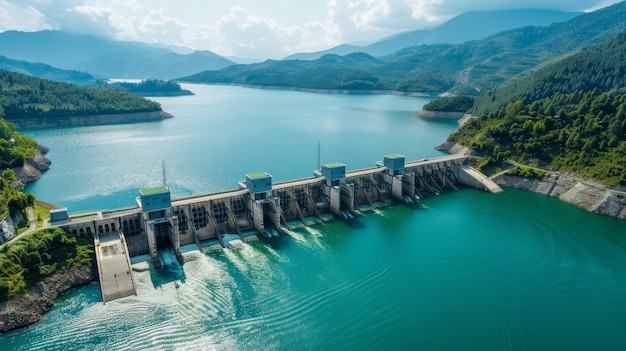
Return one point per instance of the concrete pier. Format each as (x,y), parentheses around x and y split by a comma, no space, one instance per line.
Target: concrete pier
(476,179)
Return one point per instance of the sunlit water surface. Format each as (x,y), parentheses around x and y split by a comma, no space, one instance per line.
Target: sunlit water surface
(465,270)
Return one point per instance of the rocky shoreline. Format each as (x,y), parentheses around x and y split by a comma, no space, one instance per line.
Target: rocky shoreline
(33,167)
(586,196)
(28,309)
(591,197)
(439,114)
(74,121)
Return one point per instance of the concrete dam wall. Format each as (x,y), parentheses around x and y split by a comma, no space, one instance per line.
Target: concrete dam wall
(287,204)
(259,207)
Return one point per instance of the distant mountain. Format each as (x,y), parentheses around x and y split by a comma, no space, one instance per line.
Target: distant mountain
(242,60)
(105,57)
(481,24)
(466,68)
(44,71)
(464,27)
(341,50)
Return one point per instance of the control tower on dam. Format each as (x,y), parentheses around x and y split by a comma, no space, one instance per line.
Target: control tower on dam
(159,225)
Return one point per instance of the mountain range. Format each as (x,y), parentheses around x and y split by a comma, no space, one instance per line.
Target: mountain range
(467,26)
(105,57)
(467,68)
(41,70)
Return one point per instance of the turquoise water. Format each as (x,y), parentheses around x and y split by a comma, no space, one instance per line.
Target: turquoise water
(223,133)
(465,270)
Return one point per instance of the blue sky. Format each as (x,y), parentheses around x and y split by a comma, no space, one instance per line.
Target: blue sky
(253,28)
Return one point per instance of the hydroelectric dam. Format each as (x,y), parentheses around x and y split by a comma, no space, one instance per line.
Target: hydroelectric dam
(159,225)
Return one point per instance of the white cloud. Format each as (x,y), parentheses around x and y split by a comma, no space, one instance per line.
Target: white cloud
(268,29)
(22,18)
(245,34)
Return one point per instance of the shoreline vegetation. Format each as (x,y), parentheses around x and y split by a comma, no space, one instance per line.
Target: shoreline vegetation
(145,88)
(36,269)
(569,188)
(320,91)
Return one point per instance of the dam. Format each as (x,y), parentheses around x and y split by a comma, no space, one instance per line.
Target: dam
(159,225)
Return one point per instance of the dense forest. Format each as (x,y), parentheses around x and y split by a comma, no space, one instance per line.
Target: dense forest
(11,199)
(601,67)
(146,87)
(15,148)
(464,69)
(22,96)
(581,132)
(456,103)
(29,259)
(570,115)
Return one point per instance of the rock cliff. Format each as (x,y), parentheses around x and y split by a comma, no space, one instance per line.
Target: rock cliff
(33,167)
(28,309)
(591,197)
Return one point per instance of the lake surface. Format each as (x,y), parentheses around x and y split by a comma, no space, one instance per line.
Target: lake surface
(465,270)
(223,133)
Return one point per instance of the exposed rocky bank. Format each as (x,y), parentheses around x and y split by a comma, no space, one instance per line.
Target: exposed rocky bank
(587,196)
(591,197)
(30,308)
(33,167)
(73,121)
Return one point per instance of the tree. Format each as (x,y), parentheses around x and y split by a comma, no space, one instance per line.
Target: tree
(8,175)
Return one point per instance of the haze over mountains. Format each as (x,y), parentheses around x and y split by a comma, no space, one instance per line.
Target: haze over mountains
(467,68)
(464,27)
(104,57)
(118,59)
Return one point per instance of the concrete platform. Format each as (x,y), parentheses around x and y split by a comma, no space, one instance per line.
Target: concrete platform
(478,180)
(114,269)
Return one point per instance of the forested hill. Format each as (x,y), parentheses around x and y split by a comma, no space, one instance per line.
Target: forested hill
(147,87)
(44,71)
(466,68)
(22,96)
(569,116)
(601,67)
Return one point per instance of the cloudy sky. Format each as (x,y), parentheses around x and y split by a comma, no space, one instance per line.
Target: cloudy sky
(252,28)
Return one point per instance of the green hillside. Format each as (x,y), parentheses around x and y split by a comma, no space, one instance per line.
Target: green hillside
(22,96)
(570,116)
(28,260)
(601,67)
(328,72)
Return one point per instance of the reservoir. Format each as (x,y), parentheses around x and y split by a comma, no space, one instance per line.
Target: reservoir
(464,270)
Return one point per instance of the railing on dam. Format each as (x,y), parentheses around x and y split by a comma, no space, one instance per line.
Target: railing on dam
(259,208)
(231,213)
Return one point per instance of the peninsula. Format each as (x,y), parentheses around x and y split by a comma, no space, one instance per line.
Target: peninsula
(35,103)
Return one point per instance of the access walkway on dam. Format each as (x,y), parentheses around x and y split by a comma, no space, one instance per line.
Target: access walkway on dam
(159,222)
(114,268)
